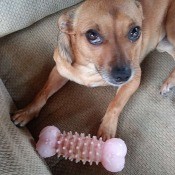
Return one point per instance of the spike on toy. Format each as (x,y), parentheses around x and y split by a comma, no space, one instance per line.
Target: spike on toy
(83,148)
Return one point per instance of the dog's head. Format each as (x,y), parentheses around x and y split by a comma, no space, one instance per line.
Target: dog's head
(107,33)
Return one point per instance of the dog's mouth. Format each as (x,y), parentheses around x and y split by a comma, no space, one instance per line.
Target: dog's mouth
(112,82)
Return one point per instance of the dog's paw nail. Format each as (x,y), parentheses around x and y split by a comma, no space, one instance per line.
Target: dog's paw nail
(164,95)
(11,114)
(164,92)
(12,120)
(18,126)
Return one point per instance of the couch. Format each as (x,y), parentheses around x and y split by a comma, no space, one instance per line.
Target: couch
(147,124)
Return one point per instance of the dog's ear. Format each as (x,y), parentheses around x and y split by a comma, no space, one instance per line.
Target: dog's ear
(65,25)
(65,22)
(138,4)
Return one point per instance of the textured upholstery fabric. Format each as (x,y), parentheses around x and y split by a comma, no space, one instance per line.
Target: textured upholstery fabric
(18,14)
(147,123)
(17,155)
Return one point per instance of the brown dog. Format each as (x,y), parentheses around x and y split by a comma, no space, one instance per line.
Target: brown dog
(103,43)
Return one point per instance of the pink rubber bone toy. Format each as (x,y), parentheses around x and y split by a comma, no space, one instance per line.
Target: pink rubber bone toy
(82,148)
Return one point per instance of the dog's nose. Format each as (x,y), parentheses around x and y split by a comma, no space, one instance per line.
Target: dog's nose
(121,74)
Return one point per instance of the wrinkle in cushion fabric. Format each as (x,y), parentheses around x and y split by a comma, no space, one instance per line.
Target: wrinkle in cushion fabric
(17,155)
(18,14)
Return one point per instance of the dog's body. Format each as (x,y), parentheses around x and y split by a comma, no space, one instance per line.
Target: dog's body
(103,43)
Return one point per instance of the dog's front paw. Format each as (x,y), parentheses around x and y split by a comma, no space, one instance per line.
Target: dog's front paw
(22,117)
(106,132)
(167,86)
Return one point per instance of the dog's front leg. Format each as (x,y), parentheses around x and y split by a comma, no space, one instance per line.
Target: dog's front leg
(109,123)
(53,84)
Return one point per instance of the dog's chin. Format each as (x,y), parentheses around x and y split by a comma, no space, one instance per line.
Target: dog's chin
(116,84)
(112,81)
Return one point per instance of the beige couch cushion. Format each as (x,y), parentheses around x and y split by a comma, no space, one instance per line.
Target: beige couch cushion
(18,14)
(17,155)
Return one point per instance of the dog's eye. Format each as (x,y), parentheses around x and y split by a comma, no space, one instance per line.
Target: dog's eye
(94,37)
(134,34)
